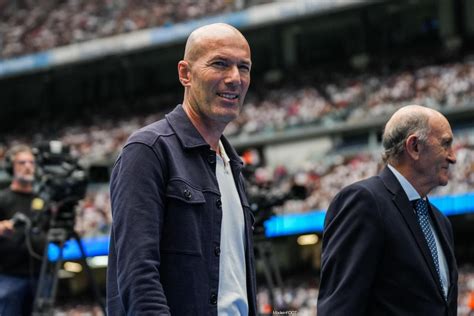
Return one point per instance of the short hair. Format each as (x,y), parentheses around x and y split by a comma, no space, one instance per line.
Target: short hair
(20,148)
(394,137)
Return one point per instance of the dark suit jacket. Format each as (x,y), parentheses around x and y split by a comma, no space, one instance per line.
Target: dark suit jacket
(375,260)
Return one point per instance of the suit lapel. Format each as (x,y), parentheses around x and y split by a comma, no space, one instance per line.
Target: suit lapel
(445,244)
(404,206)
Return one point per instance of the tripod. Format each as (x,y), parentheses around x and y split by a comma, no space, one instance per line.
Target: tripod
(271,271)
(48,280)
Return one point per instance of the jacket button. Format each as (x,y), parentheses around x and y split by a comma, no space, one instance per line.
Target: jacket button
(219,203)
(187,194)
(217,251)
(213,299)
(211,158)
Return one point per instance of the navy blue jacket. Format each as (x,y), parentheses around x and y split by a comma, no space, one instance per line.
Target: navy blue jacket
(166,232)
(375,259)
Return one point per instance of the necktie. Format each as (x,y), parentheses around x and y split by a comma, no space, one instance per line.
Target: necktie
(421,208)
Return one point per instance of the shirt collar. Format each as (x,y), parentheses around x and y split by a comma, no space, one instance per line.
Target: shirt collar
(410,191)
(223,153)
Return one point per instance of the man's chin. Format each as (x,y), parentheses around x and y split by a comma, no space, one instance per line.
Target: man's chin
(227,116)
(443,182)
(25,180)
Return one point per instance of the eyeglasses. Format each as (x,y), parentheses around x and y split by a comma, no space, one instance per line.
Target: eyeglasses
(24,162)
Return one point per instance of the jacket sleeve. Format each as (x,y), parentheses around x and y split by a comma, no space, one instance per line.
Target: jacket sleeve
(352,244)
(137,197)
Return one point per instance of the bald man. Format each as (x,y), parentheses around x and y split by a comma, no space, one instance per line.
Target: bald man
(386,249)
(181,240)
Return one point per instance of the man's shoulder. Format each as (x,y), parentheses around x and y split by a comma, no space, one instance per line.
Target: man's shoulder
(149,134)
(5,192)
(369,189)
(6,195)
(373,183)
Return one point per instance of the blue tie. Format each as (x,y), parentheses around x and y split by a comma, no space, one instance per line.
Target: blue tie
(421,208)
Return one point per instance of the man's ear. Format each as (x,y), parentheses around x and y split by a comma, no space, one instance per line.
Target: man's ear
(412,147)
(184,73)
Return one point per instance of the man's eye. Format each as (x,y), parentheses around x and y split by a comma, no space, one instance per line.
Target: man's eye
(244,68)
(219,64)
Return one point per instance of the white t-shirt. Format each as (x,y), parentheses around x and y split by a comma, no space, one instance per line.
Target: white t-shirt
(232,295)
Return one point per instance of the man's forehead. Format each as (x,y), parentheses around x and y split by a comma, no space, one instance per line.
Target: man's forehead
(231,41)
(231,52)
(24,154)
(203,43)
(442,131)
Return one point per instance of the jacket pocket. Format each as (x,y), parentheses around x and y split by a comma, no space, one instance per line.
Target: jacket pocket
(182,221)
(181,190)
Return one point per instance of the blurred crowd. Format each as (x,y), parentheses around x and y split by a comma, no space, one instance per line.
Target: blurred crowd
(29,26)
(316,180)
(296,298)
(78,310)
(357,98)
(316,183)
(351,99)
(466,291)
(93,214)
(321,179)
(300,297)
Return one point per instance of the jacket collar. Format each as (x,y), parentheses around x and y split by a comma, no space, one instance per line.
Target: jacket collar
(391,182)
(404,206)
(187,134)
(190,137)
(408,188)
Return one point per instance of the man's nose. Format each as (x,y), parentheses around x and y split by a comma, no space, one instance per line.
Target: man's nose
(452,156)
(233,76)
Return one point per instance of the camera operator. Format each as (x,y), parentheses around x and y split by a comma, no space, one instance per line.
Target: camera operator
(18,269)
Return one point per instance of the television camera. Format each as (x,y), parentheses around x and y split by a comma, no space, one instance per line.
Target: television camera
(264,197)
(60,184)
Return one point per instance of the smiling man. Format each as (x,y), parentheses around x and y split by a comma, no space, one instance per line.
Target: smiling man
(181,240)
(386,249)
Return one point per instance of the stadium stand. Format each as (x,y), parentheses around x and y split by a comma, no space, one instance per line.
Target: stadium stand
(27,27)
(321,180)
(352,99)
(356,98)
